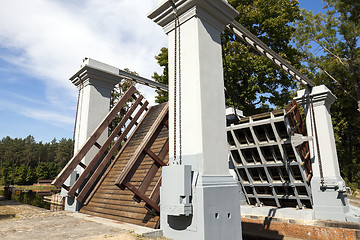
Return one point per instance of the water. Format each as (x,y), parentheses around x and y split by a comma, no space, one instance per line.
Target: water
(30,198)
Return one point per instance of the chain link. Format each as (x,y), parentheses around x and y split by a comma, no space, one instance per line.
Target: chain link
(175,83)
(180,116)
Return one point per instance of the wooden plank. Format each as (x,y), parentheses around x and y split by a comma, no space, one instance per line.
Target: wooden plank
(155,194)
(153,170)
(94,177)
(74,161)
(108,200)
(111,210)
(142,196)
(115,162)
(152,223)
(104,147)
(142,146)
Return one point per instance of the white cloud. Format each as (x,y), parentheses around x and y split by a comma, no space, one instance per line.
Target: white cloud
(49,39)
(52,117)
(48,116)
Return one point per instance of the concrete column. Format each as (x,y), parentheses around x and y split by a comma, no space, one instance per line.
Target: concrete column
(215,197)
(95,83)
(329,199)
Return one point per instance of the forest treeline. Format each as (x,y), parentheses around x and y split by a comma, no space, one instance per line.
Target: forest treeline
(24,161)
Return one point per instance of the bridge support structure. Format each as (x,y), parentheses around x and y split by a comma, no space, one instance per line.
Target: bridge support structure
(199,198)
(95,84)
(328,188)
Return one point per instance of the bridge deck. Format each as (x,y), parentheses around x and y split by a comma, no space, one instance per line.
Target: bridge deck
(108,200)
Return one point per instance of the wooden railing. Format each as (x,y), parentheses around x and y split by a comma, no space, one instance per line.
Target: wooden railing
(96,166)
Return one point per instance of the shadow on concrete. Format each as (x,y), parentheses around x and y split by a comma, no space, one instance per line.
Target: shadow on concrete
(179,222)
(269,218)
(260,229)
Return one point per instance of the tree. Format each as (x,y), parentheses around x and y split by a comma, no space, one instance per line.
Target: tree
(20,176)
(63,152)
(329,45)
(252,82)
(162,60)
(22,161)
(31,176)
(118,91)
(42,171)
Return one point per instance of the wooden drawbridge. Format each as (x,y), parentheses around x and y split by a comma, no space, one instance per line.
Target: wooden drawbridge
(122,181)
(128,188)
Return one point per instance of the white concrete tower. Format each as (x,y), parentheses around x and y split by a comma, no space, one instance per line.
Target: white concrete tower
(95,83)
(199,198)
(329,198)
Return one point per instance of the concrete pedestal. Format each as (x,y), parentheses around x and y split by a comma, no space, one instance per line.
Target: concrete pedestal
(215,195)
(95,86)
(216,211)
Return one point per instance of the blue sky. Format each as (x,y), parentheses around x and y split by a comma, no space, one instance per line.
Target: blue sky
(42,44)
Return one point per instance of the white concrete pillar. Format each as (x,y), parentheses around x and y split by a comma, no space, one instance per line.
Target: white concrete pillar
(95,83)
(215,196)
(329,199)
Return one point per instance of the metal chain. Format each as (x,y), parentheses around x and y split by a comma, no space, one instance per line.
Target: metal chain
(314,129)
(180,133)
(176,39)
(77,113)
(175,74)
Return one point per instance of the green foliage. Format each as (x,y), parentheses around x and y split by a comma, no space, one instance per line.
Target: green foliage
(162,60)
(329,45)
(253,83)
(118,91)
(23,161)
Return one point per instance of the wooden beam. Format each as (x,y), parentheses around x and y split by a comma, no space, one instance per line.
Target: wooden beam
(82,165)
(96,144)
(114,148)
(74,161)
(154,157)
(142,196)
(155,194)
(114,162)
(104,148)
(149,136)
(153,170)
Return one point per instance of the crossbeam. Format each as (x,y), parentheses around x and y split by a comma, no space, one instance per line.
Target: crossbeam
(143,80)
(264,50)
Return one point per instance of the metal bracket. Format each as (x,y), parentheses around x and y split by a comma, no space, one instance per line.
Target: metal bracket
(297,139)
(338,186)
